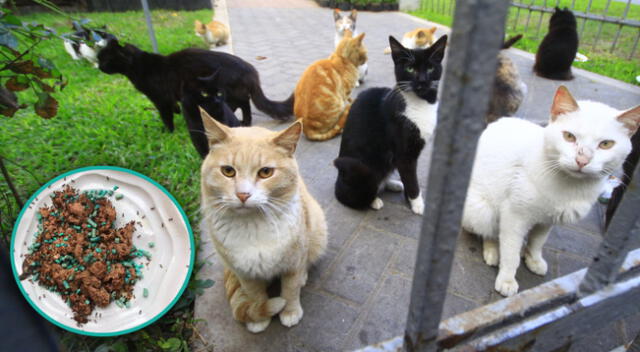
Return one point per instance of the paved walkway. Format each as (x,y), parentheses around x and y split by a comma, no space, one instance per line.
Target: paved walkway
(359,292)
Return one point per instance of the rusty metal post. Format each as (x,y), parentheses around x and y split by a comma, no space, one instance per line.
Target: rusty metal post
(468,79)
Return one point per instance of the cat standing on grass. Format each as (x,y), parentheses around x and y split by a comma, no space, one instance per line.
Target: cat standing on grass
(214,33)
(262,220)
(323,94)
(527,178)
(388,128)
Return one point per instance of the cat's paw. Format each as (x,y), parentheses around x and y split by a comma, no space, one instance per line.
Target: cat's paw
(357,84)
(377,204)
(490,255)
(536,265)
(394,186)
(275,305)
(417,205)
(506,286)
(259,326)
(291,316)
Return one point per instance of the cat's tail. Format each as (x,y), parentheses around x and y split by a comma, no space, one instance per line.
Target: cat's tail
(356,186)
(248,309)
(313,134)
(279,110)
(509,42)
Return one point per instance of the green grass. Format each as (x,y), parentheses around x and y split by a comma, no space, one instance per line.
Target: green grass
(617,64)
(103,120)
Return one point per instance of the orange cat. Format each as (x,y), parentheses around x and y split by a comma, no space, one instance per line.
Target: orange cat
(419,38)
(323,94)
(214,33)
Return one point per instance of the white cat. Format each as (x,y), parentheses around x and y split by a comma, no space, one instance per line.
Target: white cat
(343,23)
(526,178)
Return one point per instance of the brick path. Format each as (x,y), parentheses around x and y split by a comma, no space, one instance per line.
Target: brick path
(359,292)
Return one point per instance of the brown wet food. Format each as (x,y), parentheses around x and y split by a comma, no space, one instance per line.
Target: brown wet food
(69,260)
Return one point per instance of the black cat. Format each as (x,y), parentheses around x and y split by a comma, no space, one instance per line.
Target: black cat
(161,78)
(558,48)
(387,129)
(207,94)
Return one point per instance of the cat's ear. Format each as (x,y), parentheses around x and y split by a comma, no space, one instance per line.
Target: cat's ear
(359,38)
(433,29)
(354,15)
(437,49)
(336,14)
(631,119)
(397,50)
(288,139)
(215,131)
(563,103)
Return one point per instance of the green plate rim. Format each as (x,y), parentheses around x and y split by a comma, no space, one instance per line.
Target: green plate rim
(115,333)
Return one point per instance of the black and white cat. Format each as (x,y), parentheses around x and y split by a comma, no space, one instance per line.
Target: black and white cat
(388,128)
(85,43)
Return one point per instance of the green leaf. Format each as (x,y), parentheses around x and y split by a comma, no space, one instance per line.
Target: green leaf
(172,345)
(119,346)
(8,39)
(12,20)
(46,63)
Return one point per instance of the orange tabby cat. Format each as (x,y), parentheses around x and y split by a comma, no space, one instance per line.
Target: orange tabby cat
(262,220)
(419,38)
(323,94)
(214,33)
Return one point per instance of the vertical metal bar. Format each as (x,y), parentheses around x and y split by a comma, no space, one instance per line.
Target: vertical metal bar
(624,16)
(584,21)
(526,25)
(635,345)
(624,226)
(635,46)
(515,22)
(606,11)
(540,20)
(452,8)
(147,16)
(573,4)
(476,38)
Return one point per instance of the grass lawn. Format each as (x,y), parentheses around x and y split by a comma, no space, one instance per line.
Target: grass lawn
(103,120)
(616,64)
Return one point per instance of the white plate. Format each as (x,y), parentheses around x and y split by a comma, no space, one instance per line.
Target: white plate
(161,221)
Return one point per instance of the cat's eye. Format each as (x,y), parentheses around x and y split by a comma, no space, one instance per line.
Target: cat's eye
(219,94)
(265,172)
(204,94)
(410,69)
(606,144)
(568,136)
(228,171)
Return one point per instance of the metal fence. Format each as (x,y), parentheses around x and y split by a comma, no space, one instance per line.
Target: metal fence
(550,317)
(611,26)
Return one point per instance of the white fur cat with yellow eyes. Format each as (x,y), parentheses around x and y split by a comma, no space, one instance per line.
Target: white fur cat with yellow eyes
(527,178)
(262,220)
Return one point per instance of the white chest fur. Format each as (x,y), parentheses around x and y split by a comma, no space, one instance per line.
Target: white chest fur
(255,246)
(421,113)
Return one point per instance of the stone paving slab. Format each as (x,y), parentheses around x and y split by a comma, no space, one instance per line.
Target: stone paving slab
(358,293)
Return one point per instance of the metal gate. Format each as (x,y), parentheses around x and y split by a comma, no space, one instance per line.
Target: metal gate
(549,317)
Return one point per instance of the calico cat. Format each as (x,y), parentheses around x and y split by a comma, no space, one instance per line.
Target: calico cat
(558,48)
(161,78)
(344,23)
(388,128)
(419,38)
(323,94)
(547,175)
(84,43)
(214,33)
(508,88)
(261,218)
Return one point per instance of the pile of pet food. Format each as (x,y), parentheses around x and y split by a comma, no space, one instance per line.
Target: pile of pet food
(80,254)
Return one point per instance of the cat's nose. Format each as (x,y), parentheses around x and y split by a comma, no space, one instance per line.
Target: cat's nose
(243,196)
(582,161)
